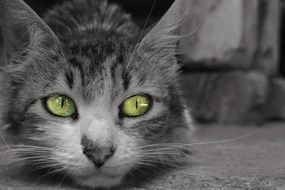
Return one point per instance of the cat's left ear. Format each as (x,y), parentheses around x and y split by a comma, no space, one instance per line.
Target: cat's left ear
(21,30)
(166,33)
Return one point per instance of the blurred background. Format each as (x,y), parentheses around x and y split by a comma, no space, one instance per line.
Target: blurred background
(233,63)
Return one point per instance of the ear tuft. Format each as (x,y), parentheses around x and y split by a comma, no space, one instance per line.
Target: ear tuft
(159,46)
(167,30)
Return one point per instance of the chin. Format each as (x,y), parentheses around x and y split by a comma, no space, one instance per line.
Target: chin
(87,176)
(99,181)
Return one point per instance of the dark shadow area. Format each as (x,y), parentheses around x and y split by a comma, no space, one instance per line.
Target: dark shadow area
(138,9)
(282,40)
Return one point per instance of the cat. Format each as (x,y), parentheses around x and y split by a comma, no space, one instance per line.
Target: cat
(85,95)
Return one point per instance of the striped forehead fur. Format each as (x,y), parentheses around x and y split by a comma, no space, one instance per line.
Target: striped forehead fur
(90,16)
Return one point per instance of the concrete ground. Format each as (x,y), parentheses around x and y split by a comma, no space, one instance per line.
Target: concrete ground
(254,162)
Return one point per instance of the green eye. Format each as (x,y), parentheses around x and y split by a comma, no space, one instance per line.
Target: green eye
(136,106)
(60,105)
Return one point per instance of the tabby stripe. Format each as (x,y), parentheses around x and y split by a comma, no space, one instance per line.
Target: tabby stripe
(78,66)
(32,102)
(126,80)
(69,79)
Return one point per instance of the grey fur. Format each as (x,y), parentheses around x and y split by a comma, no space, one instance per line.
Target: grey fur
(97,64)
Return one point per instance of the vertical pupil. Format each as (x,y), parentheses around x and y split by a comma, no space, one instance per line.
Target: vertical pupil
(137,104)
(60,101)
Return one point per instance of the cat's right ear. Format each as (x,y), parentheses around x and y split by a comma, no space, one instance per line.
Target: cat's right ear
(21,30)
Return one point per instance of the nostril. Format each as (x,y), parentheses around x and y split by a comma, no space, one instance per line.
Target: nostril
(113,149)
(85,151)
(110,154)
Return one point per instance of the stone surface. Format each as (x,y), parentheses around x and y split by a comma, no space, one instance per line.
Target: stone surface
(256,161)
(226,97)
(216,32)
(219,33)
(276,99)
(237,34)
(268,37)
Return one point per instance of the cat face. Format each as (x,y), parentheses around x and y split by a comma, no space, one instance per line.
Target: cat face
(93,107)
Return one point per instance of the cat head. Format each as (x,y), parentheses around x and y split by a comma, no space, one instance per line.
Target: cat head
(91,105)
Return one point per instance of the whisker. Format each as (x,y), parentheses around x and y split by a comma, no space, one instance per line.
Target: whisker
(147,20)
(46,165)
(149,165)
(63,178)
(141,34)
(224,140)
(34,159)
(30,146)
(169,147)
(4,141)
(139,170)
(181,145)
(162,153)
(173,155)
(166,162)
(27,150)
(158,144)
(155,157)
(49,174)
